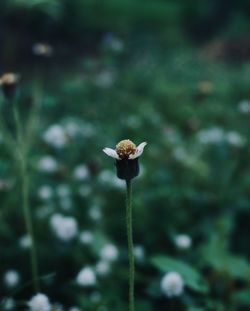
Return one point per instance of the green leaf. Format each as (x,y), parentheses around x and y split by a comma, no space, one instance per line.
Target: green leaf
(192,277)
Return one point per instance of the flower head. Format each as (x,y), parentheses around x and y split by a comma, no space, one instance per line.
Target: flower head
(8,82)
(172,284)
(126,154)
(86,277)
(39,302)
(42,49)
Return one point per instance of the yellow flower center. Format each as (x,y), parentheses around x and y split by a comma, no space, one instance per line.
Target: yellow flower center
(125,148)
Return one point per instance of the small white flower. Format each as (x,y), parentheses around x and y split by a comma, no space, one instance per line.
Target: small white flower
(235,139)
(84,190)
(244,106)
(95,213)
(86,237)
(48,164)
(213,135)
(8,304)
(86,277)
(39,302)
(125,149)
(55,136)
(183,241)
(109,252)
(63,191)
(102,267)
(172,284)
(42,49)
(25,241)
(64,227)
(74,309)
(11,278)
(81,173)
(139,252)
(45,192)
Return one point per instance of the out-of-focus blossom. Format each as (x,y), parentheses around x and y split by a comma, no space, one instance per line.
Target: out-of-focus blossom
(213,135)
(81,173)
(109,252)
(45,192)
(48,164)
(108,178)
(66,203)
(11,278)
(25,241)
(172,284)
(84,190)
(42,49)
(86,237)
(139,252)
(235,139)
(74,309)
(102,267)
(39,302)
(183,241)
(105,79)
(95,213)
(86,277)
(8,82)
(63,191)
(64,227)
(8,304)
(244,106)
(55,136)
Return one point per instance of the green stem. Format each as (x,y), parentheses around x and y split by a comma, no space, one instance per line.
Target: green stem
(22,151)
(130,245)
(29,226)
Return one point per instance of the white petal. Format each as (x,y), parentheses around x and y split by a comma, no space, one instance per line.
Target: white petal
(111,153)
(139,151)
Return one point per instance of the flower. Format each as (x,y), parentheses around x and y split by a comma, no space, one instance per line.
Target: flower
(102,267)
(48,164)
(8,304)
(45,192)
(244,106)
(126,155)
(9,81)
(81,172)
(55,136)
(172,284)
(86,237)
(86,277)
(25,241)
(64,227)
(109,252)
(39,302)
(42,49)
(183,241)
(11,278)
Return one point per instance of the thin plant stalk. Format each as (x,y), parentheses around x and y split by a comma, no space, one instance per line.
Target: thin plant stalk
(129,220)
(22,153)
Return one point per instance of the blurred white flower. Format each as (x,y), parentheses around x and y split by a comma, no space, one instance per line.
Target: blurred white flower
(235,139)
(55,136)
(102,267)
(105,79)
(74,309)
(86,237)
(64,227)
(109,252)
(84,190)
(72,128)
(95,213)
(139,252)
(39,302)
(42,49)
(107,177)
(86,277)
(211,135)
(81,172)
(244,106)
(63,191)
(25,241)
(48,164)
(8,304)
(172,284)
(45,192)
(183,241)
(65,203)
(11,278)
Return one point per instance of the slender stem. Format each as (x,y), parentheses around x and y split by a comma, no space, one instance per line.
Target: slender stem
(130,245)
(29,225)
(22,151)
